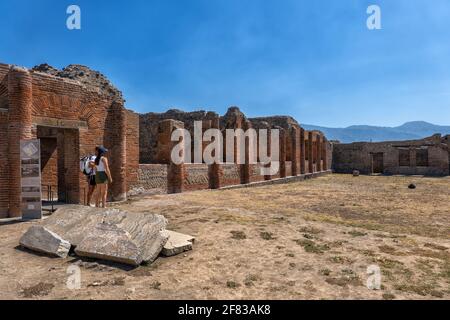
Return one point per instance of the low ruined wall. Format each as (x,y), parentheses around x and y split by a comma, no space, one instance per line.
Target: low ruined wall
(152,176)
(358,156)
(231,175)
(196,177)
(350,157)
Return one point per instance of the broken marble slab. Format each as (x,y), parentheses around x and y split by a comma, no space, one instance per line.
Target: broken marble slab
(40,239)
(109,242)
(177,243)
(79,224)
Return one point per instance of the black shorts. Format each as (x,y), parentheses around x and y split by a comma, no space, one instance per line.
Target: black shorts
(91,180)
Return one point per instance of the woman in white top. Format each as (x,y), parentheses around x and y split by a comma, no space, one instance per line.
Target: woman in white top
(102,176)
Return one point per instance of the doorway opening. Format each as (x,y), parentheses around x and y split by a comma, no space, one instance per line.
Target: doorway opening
(59,166)
(377,163)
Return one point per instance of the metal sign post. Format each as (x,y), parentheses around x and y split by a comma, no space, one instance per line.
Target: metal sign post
(30,162)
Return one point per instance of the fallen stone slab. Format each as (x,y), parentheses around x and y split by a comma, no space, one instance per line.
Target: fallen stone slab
(177,243)
(40,239)
(80,224)
(109,242)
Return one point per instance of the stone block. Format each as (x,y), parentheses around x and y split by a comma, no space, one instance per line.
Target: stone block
(109,242)
(110,234)
(40,239)
(177,243)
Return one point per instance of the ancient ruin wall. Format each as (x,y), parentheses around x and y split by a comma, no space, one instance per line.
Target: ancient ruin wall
(132,148)
(398,157)
(83,116)
(151,149)
(4,164)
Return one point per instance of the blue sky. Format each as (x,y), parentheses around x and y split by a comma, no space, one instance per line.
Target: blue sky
(314,60)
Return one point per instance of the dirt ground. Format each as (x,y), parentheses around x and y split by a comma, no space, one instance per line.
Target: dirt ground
(308,240)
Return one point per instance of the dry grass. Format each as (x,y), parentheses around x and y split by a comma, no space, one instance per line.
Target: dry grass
(307,240)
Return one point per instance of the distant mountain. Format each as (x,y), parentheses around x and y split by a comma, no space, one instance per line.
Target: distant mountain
(408,131)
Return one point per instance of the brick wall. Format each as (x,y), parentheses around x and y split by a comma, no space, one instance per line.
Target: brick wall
(49,162)
(358,156)
(4,165)
(196,177)
(151,176)
(231,175)
(33,101)
(151,148)
(132,168)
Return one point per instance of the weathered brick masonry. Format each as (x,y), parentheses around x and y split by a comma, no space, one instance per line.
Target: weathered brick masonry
(75,109)
(70,118)
(297,155)
(429,156)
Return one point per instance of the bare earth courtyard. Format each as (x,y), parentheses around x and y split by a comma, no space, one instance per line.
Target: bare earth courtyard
(308,240)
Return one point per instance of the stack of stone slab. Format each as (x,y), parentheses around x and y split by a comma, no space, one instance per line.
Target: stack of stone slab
(106,234)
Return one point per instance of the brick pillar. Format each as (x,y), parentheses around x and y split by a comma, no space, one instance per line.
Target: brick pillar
(269,152)
(118,152)
(325,154)
(175,172)
(4,165)
(245,169)
(302,152)
(295,134)
(412,157)
(310,153)
(215,172)
(20,95)
(74,180)
(319,152)
(282,153)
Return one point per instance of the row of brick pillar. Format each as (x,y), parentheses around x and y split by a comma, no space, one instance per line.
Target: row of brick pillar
(302,148)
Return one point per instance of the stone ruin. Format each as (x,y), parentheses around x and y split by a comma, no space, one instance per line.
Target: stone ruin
(75,109)
(428,157)
(297,147)
(71,114)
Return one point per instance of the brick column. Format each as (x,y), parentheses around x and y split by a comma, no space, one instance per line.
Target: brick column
(295,134)
(20,95)
(302,152)
(4,165)
(269,152)
(215,172)
(245,169)
(175,172)
(325,154)
(74,180)
(282,153)
(319,152)
(310,152)
(118,153)
(412,157)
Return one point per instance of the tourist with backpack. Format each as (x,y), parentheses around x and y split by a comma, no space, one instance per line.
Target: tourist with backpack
(102,176)
(87,167)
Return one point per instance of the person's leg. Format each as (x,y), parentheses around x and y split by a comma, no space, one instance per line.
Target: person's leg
(90,193)
(99,195)
(105,196)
